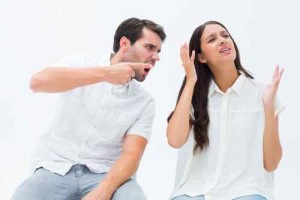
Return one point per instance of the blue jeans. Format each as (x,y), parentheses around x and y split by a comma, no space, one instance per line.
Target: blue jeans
(249,197)
(46,185)
(185,197)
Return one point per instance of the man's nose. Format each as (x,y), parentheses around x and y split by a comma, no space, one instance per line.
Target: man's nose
(156,56)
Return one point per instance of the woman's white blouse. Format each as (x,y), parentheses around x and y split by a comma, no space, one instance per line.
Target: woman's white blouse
(232,165)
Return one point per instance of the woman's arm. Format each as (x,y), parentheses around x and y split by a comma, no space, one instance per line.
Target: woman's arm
(272,151)
(179,124)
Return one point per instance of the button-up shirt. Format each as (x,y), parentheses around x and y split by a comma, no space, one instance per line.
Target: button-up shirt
(232,165)
(92,122)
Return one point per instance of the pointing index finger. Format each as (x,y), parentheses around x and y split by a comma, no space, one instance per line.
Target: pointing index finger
(140,65)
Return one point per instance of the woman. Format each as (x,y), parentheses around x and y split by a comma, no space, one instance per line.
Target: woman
(225,123)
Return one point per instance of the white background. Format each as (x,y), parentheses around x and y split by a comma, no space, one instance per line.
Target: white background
(34,34)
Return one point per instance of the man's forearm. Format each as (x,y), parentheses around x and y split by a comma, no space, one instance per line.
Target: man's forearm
(120,172)
(61,79)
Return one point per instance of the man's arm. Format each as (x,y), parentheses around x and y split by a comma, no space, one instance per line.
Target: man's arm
(61,79)
(127,164)
(122,170)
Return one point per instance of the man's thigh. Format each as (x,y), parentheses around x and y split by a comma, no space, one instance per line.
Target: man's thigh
(43,184)
(130,190)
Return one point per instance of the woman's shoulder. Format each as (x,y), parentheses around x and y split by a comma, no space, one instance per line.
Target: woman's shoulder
(255,83)
(254,88)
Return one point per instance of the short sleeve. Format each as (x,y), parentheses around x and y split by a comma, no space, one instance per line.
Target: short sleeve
(143,125)
(192,112)
(279,107)
(80,60)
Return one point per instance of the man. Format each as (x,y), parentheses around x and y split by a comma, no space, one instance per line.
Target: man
(94,145)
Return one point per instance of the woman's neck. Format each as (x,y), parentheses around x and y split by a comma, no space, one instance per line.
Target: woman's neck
(225,76)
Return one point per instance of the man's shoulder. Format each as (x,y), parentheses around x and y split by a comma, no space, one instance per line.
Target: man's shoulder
(83,60)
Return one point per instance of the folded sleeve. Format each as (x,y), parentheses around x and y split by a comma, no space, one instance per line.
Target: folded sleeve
(143,125)
(279,107)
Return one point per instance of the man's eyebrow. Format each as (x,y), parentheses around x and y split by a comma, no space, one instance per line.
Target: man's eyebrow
(154,46)
(151,45)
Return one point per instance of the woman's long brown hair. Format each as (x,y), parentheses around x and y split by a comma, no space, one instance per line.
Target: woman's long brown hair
(200,94)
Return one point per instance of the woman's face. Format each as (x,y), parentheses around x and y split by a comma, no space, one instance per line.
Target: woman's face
(217,46)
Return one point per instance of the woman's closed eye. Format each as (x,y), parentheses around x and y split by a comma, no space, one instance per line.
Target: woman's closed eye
(211,40)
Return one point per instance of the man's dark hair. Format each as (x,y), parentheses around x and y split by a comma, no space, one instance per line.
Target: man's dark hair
(132,29)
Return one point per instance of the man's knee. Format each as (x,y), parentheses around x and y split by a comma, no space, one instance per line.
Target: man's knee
(130,190)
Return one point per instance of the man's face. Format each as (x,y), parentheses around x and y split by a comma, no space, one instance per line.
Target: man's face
(145,50)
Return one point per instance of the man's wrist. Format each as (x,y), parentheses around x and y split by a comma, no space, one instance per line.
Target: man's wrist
(106,187)
(102,73)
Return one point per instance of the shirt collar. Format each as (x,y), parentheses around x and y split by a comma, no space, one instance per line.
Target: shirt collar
(237,87)
(117,89)
(124,89)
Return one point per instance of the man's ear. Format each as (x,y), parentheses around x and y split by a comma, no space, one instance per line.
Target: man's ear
(124,43)
(201,58)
